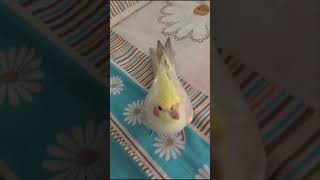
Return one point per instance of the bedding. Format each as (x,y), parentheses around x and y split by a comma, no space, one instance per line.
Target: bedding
(129,61)
(119,10)
(277,133)
(180,156)
(175,157)
(242,150)
(270,48)
(190,36)
(288,126)
(52,109)
(278,39)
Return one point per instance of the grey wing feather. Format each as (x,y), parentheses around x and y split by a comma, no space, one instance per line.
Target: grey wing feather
(169,52)
(154,60)
(160,50)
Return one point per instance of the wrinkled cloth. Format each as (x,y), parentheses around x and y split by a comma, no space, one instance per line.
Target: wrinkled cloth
(275,63)
(278,39)
(131,77)
(192,58)
(159,156)
(187,158)
(244,153)
(119,10)
(51,109)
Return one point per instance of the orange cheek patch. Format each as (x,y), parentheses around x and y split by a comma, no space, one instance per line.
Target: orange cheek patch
(156,111)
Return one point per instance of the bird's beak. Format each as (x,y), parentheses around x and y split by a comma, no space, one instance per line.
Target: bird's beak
(174,112)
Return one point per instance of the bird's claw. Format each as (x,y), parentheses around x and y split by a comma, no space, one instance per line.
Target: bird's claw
(151,133)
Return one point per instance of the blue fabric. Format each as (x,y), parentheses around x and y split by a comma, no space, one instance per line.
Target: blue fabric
(69,97)
(126,168)
(196,152)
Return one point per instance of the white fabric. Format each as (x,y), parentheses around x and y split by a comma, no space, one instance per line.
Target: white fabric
(126,13)
(279,39)
(142,29)
(245,157)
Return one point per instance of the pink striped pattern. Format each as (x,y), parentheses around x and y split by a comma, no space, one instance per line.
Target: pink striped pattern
(286,122)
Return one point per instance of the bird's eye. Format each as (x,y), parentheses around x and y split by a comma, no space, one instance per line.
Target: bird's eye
(159,107)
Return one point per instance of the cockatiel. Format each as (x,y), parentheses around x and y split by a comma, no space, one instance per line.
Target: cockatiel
(167,107)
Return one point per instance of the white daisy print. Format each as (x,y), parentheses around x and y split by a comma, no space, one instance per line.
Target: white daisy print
(116,85)
(81,155)
(133,113)
(203,173)
(169,146)
(20,74)
(6,173)
(183,20)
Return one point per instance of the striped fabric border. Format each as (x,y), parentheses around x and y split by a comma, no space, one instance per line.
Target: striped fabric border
(119,10)
(138,65)
(81,25)
(119,133)
(289,128)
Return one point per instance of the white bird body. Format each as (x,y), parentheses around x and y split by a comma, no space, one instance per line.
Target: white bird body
(167,108)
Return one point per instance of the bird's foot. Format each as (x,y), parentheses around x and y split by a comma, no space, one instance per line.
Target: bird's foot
(151,133)
(183,135)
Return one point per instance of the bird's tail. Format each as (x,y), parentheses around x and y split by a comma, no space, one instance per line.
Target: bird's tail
(163,57)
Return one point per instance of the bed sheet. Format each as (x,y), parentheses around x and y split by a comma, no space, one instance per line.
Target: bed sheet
(52,109)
